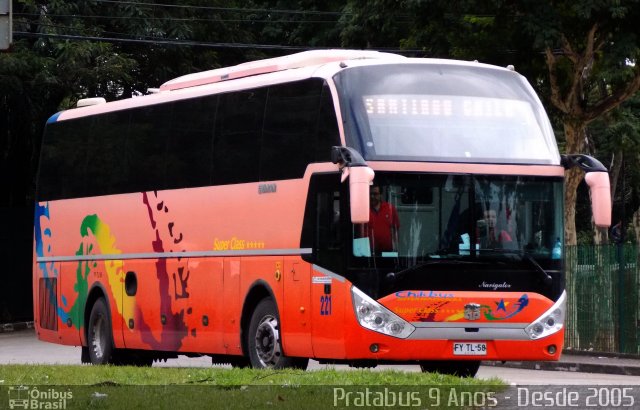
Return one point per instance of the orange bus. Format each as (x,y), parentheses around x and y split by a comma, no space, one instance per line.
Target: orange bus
(347,206)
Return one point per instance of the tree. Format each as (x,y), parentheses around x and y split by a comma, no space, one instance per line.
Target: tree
(586,48)
(617,136)
(54,61)
(374,24)
(303,23)
(590,49)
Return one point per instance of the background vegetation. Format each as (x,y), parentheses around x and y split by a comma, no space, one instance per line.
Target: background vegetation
(580,56)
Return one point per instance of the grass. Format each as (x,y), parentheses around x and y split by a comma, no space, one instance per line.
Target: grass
(125,375)
(110,387)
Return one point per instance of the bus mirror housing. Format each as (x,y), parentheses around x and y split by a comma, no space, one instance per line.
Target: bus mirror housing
(360,175)
(600,198)
(598,180)
(360,179)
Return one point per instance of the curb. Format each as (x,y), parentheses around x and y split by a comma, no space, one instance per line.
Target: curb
(571,367)
(11,327)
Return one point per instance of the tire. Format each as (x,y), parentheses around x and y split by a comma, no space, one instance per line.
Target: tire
(264,342)
(466,368)
(99,334)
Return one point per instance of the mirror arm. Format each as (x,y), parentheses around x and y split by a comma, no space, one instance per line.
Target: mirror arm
(584,162)
(347,157)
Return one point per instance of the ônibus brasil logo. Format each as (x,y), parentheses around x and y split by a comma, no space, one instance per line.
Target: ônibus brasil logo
(25,397)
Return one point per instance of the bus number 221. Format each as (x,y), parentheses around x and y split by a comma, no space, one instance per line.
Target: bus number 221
(325,305)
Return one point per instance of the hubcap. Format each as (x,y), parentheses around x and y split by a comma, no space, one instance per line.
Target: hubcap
(97,343)
(268,341)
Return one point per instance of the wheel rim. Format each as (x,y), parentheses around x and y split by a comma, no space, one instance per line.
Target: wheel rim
(268,342)
(97,342)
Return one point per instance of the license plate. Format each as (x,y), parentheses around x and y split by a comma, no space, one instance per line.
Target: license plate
(470,349)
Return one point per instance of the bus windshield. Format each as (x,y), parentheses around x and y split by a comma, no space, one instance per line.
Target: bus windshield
(417,217)
(444,113)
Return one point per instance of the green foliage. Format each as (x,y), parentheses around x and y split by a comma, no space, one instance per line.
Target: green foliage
(44,72)
(305,23)
(374,24)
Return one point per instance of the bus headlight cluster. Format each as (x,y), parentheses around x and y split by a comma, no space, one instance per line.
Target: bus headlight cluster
(550,322)
(376,317)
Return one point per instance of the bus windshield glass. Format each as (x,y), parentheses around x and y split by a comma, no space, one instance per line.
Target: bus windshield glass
(416,218)
(444,113)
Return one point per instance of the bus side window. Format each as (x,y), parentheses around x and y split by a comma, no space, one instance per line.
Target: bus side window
(289,130)
(238,135)
(300,127)
(64,159)
(146,147)
(189,146)
(104,173)
(328,223)
(328,133)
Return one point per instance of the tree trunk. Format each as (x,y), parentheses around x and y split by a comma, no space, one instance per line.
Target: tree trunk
(636,227)
(614,171)
(574,132)
(575,141)
(600,235)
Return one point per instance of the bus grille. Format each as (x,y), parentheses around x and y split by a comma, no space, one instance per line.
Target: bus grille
(48,302)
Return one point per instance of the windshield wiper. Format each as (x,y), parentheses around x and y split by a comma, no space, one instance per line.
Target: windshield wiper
(546,278)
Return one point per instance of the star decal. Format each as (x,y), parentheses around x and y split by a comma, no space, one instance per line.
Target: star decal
(501,306)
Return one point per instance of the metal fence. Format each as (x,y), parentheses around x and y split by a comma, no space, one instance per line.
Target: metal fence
(603,312)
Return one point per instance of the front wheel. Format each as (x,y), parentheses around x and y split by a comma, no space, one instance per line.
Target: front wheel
(99,334)
(460,368)
(263,340)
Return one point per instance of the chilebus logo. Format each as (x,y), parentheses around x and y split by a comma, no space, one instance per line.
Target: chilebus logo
(25,397)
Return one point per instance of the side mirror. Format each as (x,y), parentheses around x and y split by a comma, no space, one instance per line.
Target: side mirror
(359,181)
(360,176)
(600,197)
(598,180)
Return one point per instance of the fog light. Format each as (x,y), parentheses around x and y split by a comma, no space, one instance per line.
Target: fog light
(551,349)
(374,348)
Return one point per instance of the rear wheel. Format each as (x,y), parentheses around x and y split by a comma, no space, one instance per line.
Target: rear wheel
(99,334)
(263,340)
(460,368)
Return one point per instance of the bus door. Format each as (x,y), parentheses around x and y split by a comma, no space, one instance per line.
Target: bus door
(71,301)
(231,306)
(141,303)
(198,294)
(175,304)
(296,313)
(326,219)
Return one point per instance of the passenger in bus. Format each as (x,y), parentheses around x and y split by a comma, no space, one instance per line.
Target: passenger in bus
(383,223)
(489,234)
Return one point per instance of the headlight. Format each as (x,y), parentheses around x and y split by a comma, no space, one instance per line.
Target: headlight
(376,317)
(550,322)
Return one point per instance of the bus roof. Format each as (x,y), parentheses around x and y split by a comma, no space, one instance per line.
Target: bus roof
(316,63)
(298,60)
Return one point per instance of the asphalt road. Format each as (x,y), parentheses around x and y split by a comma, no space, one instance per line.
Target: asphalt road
(23,347)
